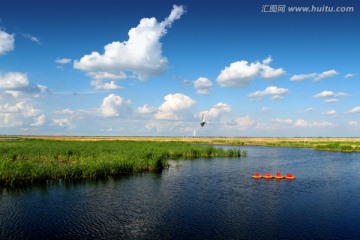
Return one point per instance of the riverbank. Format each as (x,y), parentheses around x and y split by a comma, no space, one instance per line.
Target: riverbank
(38,159)
(328,144)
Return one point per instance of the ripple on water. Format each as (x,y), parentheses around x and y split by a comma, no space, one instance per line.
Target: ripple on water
(199,199)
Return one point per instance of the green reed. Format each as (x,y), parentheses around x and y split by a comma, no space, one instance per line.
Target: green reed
(26,161)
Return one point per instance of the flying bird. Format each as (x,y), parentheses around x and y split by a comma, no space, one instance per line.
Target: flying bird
(203,122)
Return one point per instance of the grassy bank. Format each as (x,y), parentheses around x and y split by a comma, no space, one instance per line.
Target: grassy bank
(24,161)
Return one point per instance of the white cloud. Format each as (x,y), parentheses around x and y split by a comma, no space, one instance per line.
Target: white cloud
(355,110)
(13,80)
(38,121)
(101,85)
(17,85)
(32,38)
(146,109)
(114,105)
(302,77)
(20,114)
(69,119)
(7,42)
(268,72)
(216,111)
(242,123)
(326,93)
(63,122)
(314,76)
(282,121)
(304,123)
(107,76)
(203,85)
(329,112)
(331,100)
(141,54)
(66,111)
(275,92)
(240,74)
(326,74)
(175,107)
(63,60)
(350,75)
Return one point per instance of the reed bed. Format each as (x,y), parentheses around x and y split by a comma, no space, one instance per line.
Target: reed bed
(318,143)
(27,161)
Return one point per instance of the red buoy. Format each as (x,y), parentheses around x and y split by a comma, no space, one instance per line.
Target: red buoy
(256,175)
(279,176)
(268,175)
(289,176)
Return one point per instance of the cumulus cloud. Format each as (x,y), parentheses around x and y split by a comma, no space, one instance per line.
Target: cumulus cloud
(17,84)
(203,85)
(7,42)
(20,114)
(241,73)
(63,122)
(314,76)
(141,54)
(114,106)
(38,121)
(13,80)
(216,111)
(268,72)
(355,110)
(68,118)
(175,107)
(273,91)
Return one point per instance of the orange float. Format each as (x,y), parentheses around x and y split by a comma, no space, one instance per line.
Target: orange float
(256,175)
(268,175)
(279,176)
(289,176)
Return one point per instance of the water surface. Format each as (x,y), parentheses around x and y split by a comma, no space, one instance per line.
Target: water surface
(199,199)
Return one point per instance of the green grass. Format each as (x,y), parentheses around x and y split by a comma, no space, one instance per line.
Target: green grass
(27,161)
(335,146)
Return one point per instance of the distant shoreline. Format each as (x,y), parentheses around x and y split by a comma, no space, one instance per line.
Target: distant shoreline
(339,144)
(180,138)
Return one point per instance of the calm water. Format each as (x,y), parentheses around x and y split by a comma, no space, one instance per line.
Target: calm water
(200,199)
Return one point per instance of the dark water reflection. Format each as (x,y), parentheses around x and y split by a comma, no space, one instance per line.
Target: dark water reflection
(200,199)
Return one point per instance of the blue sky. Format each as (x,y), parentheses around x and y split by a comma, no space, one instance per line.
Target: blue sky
(151,68)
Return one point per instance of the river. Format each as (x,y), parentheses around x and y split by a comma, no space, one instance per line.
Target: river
(199,199)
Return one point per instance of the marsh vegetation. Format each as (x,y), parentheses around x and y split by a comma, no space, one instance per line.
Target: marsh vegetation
(24,161)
